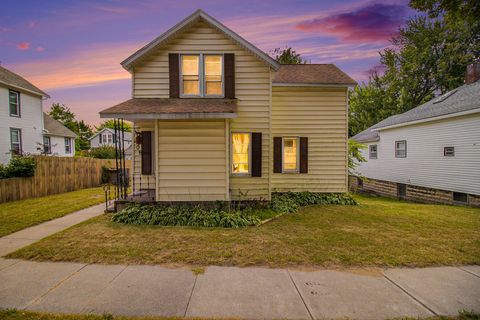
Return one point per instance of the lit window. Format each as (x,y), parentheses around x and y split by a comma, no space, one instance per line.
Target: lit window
(190,75)
(449,151)
(16,141)
(240,153)
(373,151)
(290,154)
(401,149)
(68,145)
(14,103)
(47,145)
(213,75)
(201,75)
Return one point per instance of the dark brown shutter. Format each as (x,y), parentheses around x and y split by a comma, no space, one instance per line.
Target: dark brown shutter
(303,155)
(229,75)
(174,75)
(100,138)
(277,154)
(256,154)
(146,152)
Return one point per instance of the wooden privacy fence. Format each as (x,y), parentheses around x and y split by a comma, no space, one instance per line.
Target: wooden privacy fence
(56,175)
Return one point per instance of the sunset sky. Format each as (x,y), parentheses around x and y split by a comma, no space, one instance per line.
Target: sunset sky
(73,49)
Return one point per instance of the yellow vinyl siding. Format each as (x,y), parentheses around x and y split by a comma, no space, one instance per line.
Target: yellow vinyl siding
(252,89)
(191,160)
(143,181)
(319,114)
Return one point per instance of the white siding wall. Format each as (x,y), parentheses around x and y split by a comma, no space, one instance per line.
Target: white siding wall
(58,146)
(425,165)
(31,123)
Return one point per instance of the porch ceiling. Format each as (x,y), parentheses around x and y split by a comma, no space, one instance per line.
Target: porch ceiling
(163,108)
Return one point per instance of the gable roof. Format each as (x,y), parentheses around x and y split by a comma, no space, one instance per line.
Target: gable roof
(54,128)
(465,98)
(12,79)
(184,24)
(367,135)
(312,74)
(127,135)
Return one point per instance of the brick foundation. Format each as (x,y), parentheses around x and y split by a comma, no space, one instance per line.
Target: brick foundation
(414,193)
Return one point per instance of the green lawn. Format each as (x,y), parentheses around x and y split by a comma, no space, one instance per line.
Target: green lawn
(377,232)
(17,215)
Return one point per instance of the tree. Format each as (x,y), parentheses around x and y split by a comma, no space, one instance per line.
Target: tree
(65,116)
(287,56)
(127,126)
(428,57)
(355,156)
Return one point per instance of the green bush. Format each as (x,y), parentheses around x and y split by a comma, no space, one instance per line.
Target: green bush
(103,152)
(18,166)
(292,201)
(172,215)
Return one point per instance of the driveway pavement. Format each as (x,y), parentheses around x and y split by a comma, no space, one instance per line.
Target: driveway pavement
(227,292)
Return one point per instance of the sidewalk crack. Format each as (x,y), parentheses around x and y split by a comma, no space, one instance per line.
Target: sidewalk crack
(300,294)
(469,272)
(191,294)
(410,295)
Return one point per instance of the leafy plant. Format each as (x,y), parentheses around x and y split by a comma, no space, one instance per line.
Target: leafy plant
(290,202)
(102,152)
(18,166)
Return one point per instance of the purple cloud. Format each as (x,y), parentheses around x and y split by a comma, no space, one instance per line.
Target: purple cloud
(375,22)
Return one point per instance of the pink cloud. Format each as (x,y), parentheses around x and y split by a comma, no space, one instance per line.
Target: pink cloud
(23,46)
(32,24)
(39,49)
(375,22)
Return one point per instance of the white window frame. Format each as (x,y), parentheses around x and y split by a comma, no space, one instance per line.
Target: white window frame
(17,94)
(297,170)
(107,138)
(396,149)
(370,153)
(20,149)
(249,154)
(201,76)
(68,146)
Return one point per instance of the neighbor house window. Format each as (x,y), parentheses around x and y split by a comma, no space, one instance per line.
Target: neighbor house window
(460,197)
(68,145)
(14,103)
(290,154)
(449,151)
(16,141)
(47,145)
(373,151)
(107,138)
(401,190)
(401,149)
(241,153)
(201,75)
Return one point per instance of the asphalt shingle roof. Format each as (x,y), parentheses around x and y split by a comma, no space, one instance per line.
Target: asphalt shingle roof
(312,74)
(55,128)
(9,78)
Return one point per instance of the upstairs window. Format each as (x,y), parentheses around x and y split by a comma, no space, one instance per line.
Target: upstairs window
(106,138)
(373,151)
(201,75)
(290,154)
(241,153)
(47,145)
(401,149)
(14,103)
(68,145)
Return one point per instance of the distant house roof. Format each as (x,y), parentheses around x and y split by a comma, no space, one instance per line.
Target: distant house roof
(183,25)
(11,79)
(462,99)
(164,108)
(54,128)
(367,136)
(127,135)
(326,74)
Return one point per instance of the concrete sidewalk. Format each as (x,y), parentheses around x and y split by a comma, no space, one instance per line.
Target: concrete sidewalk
(229,292)
(22,238)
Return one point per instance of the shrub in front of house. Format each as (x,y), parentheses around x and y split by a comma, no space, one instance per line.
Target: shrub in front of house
(103,152)
(290,202)
(18,166)
(178,215)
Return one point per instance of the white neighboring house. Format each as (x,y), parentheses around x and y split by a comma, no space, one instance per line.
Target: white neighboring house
(58,140)
(106,137)
(430,153)
(21,116)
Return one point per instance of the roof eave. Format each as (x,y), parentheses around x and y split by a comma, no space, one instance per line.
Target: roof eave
(340,85)
(129,62)
(37,93)
(170,116)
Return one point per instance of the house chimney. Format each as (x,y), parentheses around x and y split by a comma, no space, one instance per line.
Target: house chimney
(473,73)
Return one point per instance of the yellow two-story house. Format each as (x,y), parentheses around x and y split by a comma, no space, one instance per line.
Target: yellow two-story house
(216,118)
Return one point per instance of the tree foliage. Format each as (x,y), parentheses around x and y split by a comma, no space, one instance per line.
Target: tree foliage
(287,56)
(428,57)
(127,126)
(355,156)
(65,116)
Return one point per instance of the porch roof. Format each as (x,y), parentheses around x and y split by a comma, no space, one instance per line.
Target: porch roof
(164,108)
